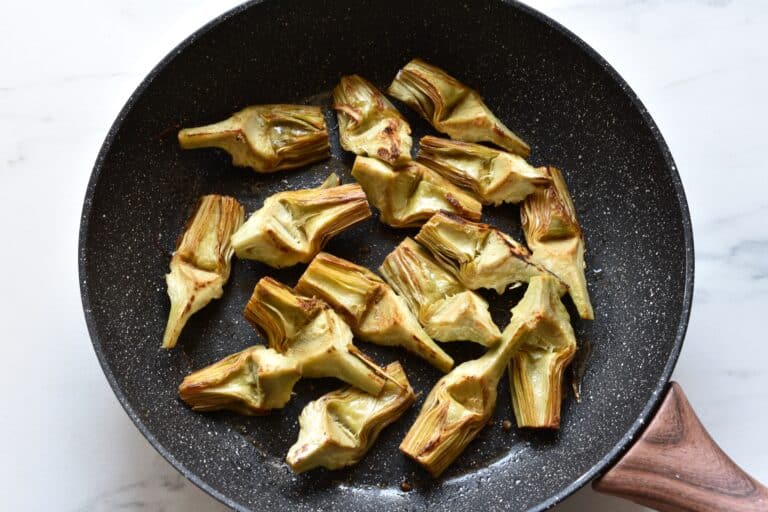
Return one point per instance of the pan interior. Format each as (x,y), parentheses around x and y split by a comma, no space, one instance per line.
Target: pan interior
(553,92)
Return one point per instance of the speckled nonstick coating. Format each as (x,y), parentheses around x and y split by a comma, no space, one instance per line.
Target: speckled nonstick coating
(540,79)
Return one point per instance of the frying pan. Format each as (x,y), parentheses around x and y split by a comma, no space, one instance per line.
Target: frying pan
(577,114)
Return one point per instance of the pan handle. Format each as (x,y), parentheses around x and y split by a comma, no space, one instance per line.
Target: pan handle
(675,466)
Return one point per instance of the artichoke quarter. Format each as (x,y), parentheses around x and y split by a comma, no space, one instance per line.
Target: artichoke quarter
(266,138)
(292,227)
(369,124)
(408,194)
(447,309)
(201,263)
(372,309)
(452,107)
(536,368)
(308,331)
(462,401)
(495,176)
(555,238)
(480,256)
(339,428)
(253,381)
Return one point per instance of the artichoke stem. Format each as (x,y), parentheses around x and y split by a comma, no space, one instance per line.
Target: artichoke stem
(352,367)
(177,318)
(426,348)
(212,135)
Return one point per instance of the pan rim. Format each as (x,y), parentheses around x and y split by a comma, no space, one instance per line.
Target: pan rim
(598,468)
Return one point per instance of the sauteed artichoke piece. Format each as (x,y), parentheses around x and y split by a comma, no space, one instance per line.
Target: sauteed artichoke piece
(536,368)
(445,307)
(462,402)
(495,176)
(201,263)
(338,429)
(308,331)
(369,124)
(293,226)
(373,310)
(480,256)
(253,381)
(554,235)
(266,138)
(409,194)
(452,107)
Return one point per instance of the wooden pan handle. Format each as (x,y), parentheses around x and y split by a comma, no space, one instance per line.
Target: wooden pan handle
(675,466)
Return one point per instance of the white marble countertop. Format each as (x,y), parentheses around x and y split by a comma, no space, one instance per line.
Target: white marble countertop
(66,68)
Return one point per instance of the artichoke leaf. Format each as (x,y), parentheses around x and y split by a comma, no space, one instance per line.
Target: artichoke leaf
(266,138)
(310,332)
(462,401)
(452,107)
(372,309)
(495,176)
(293,226)
(201,263)
(253,381)
(410,193)
(369,124)
(339,428)
(554,236)
(447,309)
(479,255)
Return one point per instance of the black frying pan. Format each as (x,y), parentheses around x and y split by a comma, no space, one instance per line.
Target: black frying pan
(540,79)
